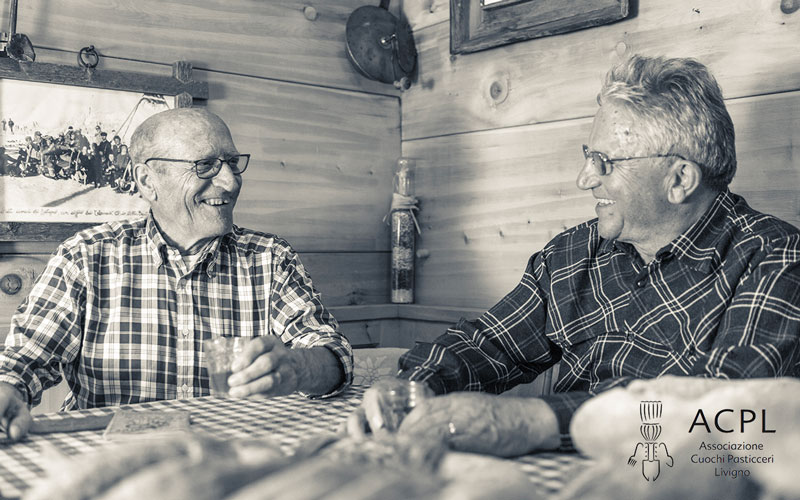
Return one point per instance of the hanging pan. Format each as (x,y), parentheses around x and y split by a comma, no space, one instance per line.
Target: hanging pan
(380,46)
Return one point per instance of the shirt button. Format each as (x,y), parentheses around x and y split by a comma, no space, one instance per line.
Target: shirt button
(641,283)
(185,333)
(185,388)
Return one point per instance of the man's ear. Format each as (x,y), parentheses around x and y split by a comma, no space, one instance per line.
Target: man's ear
(145,179)
(683,178)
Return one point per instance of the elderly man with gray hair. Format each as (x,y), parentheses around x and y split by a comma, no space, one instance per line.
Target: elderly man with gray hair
(676,275)
(123,308)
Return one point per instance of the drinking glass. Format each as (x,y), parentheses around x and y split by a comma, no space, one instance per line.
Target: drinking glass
(397,397)
(220,353)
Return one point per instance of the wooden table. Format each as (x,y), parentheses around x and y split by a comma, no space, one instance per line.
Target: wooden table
(287,420)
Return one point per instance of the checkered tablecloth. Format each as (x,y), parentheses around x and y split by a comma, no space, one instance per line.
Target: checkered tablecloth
(286,420)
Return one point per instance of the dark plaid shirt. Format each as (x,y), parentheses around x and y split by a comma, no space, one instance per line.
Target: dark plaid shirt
(119,311)
(722,300)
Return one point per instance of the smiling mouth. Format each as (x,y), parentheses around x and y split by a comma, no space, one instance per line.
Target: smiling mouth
(604,202)
(216,202)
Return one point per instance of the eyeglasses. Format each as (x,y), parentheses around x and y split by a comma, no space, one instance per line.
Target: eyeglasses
(209,167)
(605,164)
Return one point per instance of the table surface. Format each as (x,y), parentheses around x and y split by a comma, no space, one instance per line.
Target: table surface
(287,420)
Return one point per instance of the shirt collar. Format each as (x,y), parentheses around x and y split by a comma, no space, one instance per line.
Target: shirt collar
(156,242)
(159,247)
(697,245)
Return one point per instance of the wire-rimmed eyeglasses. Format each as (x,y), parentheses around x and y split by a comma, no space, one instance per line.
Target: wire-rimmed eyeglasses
(207,168)
(606,164)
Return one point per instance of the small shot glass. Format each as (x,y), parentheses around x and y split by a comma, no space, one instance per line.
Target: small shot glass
(219,354)
(397,397)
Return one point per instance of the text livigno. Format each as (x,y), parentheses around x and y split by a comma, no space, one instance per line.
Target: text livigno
(728,420)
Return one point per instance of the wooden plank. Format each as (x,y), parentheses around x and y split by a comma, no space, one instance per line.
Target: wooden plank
(321,167)
(364,312)
(768,153)
(424,13)
(491,199)
(348,279)
(362,334)
(408,332)
(436,314)
(63,74)
(289,40)
(749,46)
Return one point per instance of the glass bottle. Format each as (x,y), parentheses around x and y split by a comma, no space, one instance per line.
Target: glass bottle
(403,236)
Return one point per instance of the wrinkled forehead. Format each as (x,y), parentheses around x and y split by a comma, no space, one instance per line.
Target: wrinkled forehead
(615,128)
(192,136)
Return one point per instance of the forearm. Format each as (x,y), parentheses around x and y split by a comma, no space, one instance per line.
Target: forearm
(321,371)
(483,423)
(468,357)
(17,373)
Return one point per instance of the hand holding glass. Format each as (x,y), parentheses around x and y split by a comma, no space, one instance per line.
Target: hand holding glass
(396,398)
(220,353)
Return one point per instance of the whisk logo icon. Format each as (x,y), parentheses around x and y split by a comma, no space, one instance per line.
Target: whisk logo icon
(650,452)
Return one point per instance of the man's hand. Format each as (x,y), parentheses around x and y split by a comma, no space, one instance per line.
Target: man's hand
(268,368)
(15,418)
(468,421)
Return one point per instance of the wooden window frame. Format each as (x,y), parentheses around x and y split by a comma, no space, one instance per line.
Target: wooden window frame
(474,27)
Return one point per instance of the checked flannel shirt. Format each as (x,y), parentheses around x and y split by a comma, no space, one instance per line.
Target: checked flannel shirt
(117,310)
(722,300)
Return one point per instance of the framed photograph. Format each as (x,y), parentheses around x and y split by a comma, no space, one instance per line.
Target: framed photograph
(64,152)
(477,25)
(64,136)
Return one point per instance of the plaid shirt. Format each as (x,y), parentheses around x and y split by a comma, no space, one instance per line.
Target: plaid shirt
(117,310)
(722,300)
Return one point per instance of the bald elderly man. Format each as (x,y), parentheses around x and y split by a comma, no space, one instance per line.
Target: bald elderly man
(122,308)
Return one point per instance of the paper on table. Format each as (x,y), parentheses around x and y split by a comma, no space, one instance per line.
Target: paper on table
(128,424)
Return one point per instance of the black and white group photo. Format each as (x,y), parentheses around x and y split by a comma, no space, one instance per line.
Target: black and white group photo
(64,151)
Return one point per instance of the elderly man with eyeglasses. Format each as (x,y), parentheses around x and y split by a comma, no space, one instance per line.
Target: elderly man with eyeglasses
(123,308)
(676,275)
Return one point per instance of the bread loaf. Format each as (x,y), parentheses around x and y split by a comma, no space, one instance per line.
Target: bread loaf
(185,479)
(93,473)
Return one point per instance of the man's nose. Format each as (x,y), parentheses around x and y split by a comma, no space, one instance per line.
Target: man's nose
(588,177)
(225,178)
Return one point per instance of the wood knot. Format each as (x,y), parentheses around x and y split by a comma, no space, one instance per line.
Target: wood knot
(310,13)
(498,91)
(10,284)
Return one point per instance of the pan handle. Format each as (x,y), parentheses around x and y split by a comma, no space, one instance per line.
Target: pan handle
(13,18)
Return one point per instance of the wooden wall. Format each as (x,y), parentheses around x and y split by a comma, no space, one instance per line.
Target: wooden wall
(323,138)
(497,170)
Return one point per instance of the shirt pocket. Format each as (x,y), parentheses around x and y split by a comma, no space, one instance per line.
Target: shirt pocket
(587,316)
